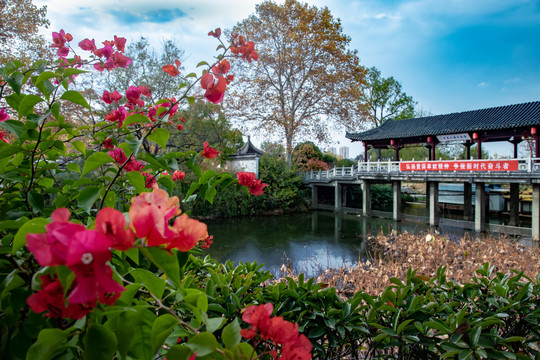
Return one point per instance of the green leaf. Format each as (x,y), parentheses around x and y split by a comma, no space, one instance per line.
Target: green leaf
(194,186)
(136,119)
(36,201)
(168,263)
(27,104)
(94,161)
(202,63)
(79,145)
(203,343)
(87,197)
(159,136)
(465,354)
(161,328)
(48,343)
(153,162)
(46,75)
(14,126)
(153,283)
(133,330)
(210,194)
(75,97)
(179,352)
(110,199)
(213,324)
(34,226)
(475,336)
(168,183)
(73,167)
(134,145)
(6,150)
(137,180)
(15,81)
(99,343)
(71,71)
(231,334)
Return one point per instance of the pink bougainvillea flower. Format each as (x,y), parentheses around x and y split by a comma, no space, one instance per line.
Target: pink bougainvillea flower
(87,257)
(178,175)
(187,233)
(105,51)
(150,180)
(50,248)
(2,137)
(51,299)
(133,95)
(209,152)
(59,41)
(118,60)
(120,43)
(112,224)
(249,180)
(88,45)
(149,215)
(109,98)
(3,115)
(118,155)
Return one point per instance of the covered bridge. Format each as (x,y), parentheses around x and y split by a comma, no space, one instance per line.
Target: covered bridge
(512,123)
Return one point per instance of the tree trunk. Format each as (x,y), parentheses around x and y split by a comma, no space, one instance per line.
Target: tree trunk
(289,148)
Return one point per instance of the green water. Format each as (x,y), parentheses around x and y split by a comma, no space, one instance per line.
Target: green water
(310,242)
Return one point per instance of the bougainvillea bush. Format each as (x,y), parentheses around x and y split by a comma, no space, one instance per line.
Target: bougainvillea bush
(95,258)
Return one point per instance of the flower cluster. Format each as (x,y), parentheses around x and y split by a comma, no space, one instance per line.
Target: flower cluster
(289,343)
(209,152)
(87,252)
(109,58)
(246,50)
(249,180)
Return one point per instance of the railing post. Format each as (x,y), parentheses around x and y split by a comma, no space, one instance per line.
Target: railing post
(334,170)
(311,174)
(529,165)
(389,165)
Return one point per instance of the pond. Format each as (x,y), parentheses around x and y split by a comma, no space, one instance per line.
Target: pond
(309,242)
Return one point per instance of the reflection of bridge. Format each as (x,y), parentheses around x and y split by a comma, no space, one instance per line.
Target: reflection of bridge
(468,172)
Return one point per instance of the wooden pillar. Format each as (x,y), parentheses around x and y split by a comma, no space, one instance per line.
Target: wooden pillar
(467,145)
(365,151)
(514,205)
(366,198)
(433,203)
(343,195)
(314,197)
(396,185)
(479,207)
(337,197)
(536,212)
(467,202)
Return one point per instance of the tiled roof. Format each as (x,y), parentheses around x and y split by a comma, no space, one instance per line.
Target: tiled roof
(497,118)
(248,149)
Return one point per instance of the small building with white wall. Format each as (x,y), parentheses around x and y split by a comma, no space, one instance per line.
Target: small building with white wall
(247,159)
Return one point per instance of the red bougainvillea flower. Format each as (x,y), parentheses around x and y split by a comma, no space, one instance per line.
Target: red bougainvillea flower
(120,43)
(108,144)
(178,175)
(117,115)
(215,90)
(246,50)
(87,257)
(207,241)
(109,98)
(222,68)
(216,33)
(187,233)
(118,155)
(133,95)
(209,152)
(282,333)
(3,115)
(249,180)
(173,70)
(112,224)
(51,299)
(150,180)
(134,165)
(2,137)
(145,90)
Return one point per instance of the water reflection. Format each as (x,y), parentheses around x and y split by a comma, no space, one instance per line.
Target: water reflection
(310,242)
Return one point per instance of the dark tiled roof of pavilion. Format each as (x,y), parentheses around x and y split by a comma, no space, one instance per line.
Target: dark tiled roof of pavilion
(497,118)
(248,149)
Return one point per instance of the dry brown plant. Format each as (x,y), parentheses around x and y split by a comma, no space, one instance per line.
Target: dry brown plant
(392,255)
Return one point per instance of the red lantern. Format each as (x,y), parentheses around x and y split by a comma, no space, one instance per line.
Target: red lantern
(533,131)
(475,136)
(392,142)
(429,139)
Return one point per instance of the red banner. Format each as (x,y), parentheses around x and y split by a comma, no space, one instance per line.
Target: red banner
(460,165)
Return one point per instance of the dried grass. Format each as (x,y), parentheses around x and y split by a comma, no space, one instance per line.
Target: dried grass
(394,254)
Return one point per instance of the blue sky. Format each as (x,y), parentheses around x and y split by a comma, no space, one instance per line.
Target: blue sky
(449,55)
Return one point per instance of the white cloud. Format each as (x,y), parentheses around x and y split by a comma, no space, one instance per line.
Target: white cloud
(482,84)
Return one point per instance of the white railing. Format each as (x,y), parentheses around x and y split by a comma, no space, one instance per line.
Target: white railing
(525,166)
